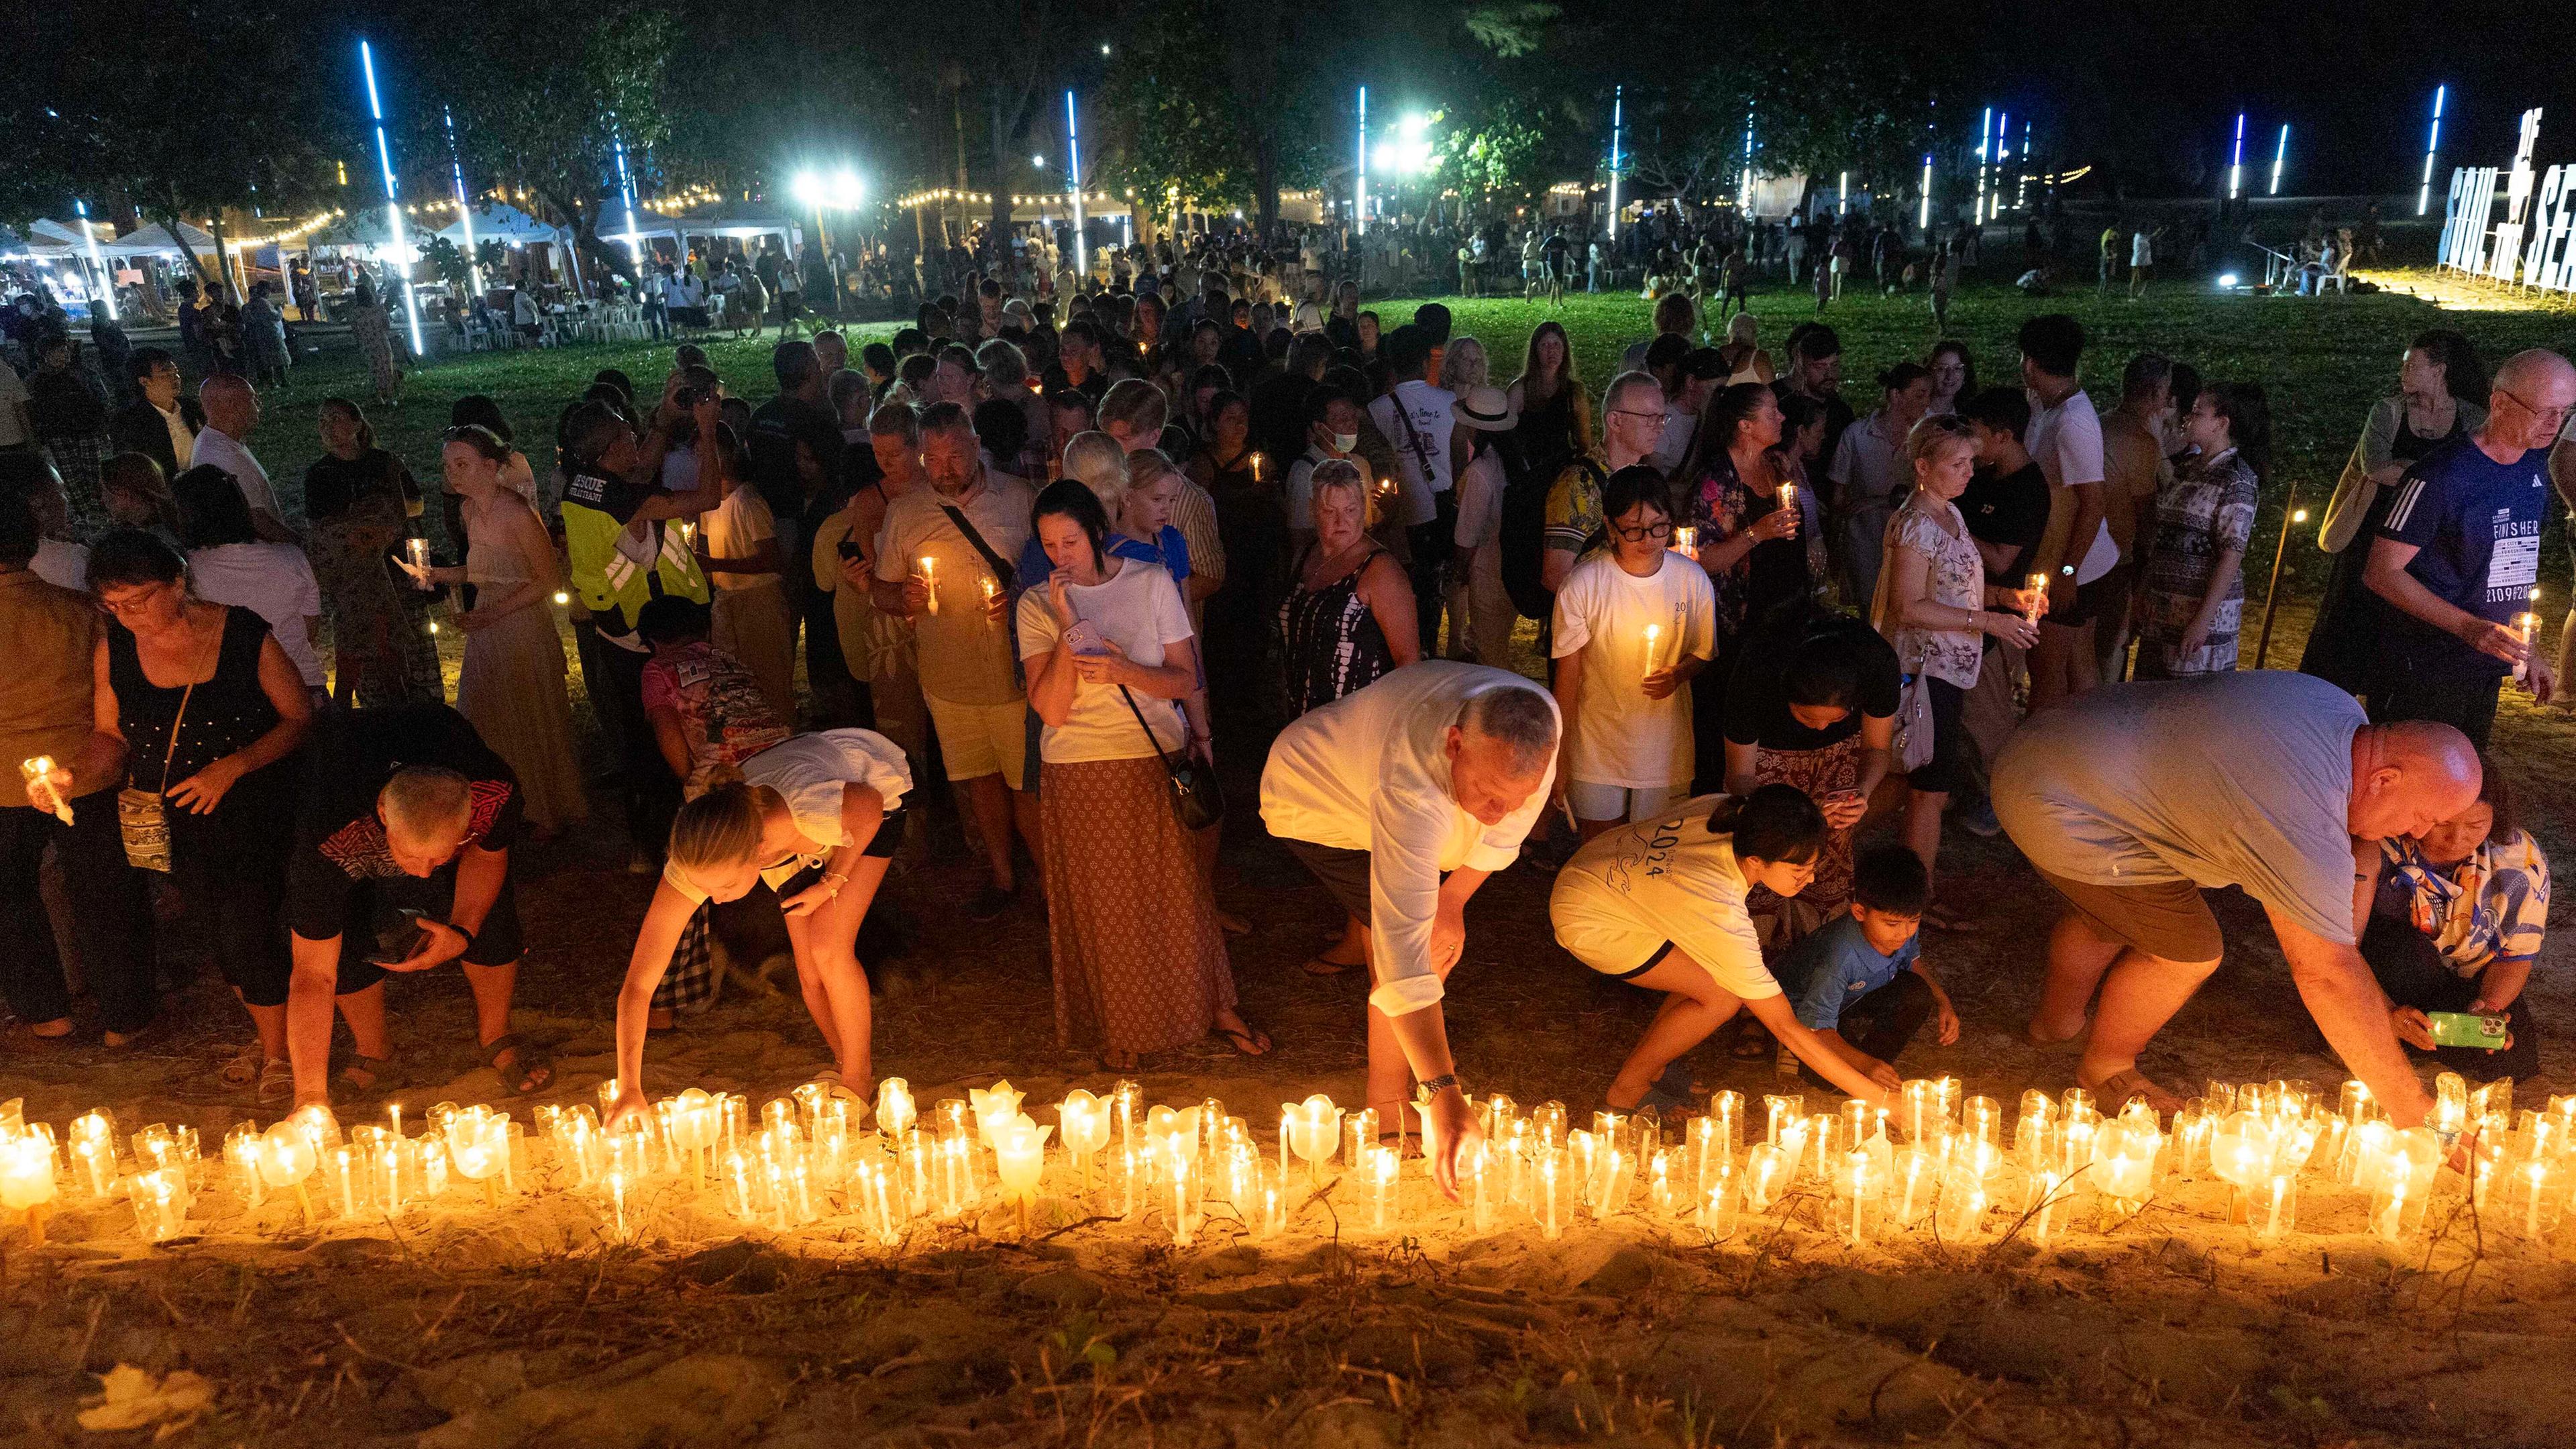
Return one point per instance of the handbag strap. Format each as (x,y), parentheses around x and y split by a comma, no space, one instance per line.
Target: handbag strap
(1002,570)
(172,753)
(1150,737)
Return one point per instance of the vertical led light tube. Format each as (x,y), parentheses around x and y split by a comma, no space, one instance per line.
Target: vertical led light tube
(393,206)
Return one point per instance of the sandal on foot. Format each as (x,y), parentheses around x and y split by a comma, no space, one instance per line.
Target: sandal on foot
(1112,1062)
(364,1076)
(1251,1041)
(531,1071)
(1232,924)
(1322,965)
(276,1081)
(242,1068)
(833,1085)
(1943,918)
(1753,1044)
(2123,1087)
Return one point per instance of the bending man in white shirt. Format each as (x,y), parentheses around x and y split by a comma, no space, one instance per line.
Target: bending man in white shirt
(1435,771)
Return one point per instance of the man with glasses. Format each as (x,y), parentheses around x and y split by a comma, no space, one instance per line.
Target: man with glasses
(163,421)
(2458,558)
(1632,423)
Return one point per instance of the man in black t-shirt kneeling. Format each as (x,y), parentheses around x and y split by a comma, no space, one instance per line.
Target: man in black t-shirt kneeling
(401,862)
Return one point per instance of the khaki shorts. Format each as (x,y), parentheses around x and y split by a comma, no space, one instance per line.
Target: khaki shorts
(983,739)
(2169,919)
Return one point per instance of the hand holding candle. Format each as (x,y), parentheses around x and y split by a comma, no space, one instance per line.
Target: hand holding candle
(46,782)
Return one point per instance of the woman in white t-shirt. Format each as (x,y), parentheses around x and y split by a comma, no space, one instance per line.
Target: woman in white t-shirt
(228,563)
(1140,963)
(1660,905)
(814,818)
(1933,605)
(1633,625)
(738,550)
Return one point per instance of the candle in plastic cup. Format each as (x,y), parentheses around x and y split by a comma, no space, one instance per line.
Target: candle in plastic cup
(2526,627)
(1654,632)
(2037,584)
(1686,541)
(928,572)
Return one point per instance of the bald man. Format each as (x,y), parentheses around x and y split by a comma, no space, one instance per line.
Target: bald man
(2133,798)
(232,410)
(2457,558)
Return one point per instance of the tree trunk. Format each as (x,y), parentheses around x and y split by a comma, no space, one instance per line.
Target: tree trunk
(1006,125)
(585,238)
(168,216)
(223,257)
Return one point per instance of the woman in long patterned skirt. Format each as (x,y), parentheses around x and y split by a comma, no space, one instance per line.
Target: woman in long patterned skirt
(1140,964)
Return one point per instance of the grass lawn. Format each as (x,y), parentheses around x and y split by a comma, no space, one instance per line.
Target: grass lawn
(2324,361)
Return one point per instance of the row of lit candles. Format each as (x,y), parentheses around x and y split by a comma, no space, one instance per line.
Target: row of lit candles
(806,1159)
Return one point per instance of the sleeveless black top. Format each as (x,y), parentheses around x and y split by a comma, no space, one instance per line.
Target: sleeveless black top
(224,713)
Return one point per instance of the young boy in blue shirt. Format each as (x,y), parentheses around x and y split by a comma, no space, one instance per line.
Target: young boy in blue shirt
(1859,982)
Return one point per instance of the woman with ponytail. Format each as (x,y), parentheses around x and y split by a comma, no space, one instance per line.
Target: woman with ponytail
(1660,905)
(814,818)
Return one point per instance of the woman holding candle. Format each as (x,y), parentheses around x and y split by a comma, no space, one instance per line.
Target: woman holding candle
(815,819)
(208,710)
(2191,599)
(1245,490)
(1741,492)
(1660,904)
(2455,919)
(1934,604)
(1633,626)
(1113,675)
(512,683)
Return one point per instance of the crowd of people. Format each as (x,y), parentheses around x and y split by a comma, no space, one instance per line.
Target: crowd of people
(1047,569)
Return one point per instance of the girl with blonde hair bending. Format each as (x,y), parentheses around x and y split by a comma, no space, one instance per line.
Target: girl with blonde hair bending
(814,818)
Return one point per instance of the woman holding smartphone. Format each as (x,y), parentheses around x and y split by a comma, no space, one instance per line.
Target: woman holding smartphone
(1140,964)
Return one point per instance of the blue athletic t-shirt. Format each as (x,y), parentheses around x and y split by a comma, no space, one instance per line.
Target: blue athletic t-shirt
(1835,966)
(2476,525)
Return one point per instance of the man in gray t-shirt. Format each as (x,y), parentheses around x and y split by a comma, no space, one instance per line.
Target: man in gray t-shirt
(2132,798)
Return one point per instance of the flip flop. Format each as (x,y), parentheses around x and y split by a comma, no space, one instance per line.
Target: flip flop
(1252,1041)
(1319,965)
(1942,918)
(1752,1043)
(521,1078)
(2123,1087)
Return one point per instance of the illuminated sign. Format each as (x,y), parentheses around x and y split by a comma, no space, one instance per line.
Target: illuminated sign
(2511,245)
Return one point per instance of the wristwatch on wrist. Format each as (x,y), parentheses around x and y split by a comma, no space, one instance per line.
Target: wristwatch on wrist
(1434,1087)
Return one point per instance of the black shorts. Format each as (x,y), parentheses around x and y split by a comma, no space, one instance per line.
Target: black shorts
(377,905)
(1345,873)
(2085,607)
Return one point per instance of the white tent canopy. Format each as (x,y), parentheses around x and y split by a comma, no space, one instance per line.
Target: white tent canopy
(504,223)
(618,223)
(33,244)
(740,219)
(154,241)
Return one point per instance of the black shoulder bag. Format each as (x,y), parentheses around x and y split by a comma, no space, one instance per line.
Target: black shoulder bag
(1195,796)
